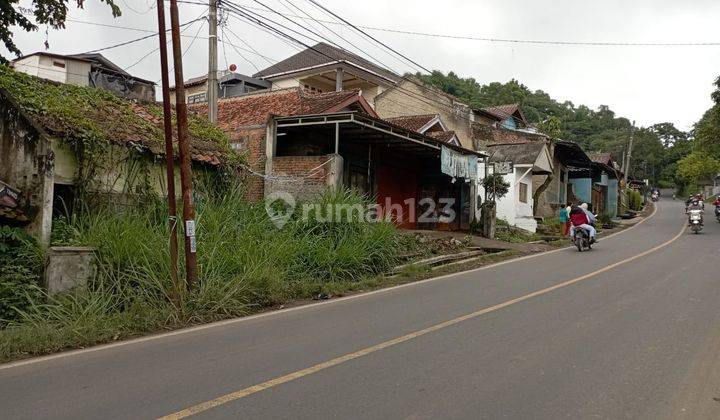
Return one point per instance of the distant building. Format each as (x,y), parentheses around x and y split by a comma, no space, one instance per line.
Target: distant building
(92,69)
(230,85)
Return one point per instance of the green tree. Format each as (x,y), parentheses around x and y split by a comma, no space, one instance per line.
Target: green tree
(45,12)
(698,166)
(496,186)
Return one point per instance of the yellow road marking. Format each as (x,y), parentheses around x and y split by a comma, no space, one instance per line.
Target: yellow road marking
(233,396)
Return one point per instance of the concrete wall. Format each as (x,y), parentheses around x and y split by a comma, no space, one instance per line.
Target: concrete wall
(411,99)
(68,268)
(26,164)
(612,198)
(582,187)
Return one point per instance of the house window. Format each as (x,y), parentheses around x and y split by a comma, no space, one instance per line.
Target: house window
(59,64)
(523,193)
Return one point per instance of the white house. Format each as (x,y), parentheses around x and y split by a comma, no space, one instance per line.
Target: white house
(518,163)
(89,69)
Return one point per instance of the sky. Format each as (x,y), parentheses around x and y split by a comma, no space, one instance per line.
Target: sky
(648,84)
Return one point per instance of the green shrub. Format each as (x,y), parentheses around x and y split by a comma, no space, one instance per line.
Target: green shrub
(635,200)
(20,270)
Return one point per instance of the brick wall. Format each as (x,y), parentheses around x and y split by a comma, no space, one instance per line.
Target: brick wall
(302,176)
(251,143)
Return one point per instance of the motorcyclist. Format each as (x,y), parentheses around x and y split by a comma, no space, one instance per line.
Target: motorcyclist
(695,205)
(580,218)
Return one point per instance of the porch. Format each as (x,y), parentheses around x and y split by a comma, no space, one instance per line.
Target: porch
(400,169)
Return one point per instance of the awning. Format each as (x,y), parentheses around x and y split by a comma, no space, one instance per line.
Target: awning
(372,130)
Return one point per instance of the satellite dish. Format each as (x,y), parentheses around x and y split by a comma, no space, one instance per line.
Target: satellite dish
(233,67)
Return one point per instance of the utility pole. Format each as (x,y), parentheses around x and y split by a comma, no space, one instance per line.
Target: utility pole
(183,148)
(629,151)
(212,84)
(169,154)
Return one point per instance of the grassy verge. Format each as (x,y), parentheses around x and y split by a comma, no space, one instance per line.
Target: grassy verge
(246,265)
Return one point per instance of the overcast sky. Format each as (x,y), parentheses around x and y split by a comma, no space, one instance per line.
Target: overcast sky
(647,83)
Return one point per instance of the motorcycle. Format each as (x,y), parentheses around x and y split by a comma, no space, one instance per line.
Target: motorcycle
(655,197)
(581,239)
(695,220)
(717,213)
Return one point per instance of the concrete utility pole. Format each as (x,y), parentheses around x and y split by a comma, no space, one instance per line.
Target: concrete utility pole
(169,155)
(212,84)
(184,149)
(629,151)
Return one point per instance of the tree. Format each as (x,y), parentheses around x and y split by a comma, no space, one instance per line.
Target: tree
(698,166)
(496,186)
(46,12)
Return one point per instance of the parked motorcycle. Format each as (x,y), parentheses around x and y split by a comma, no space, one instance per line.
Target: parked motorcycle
(581,239)
(695,220)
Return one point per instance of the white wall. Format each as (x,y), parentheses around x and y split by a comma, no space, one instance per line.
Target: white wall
(74,72)
(510,208)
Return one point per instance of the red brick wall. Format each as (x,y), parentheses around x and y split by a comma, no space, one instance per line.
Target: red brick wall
(251,143)
(307,175)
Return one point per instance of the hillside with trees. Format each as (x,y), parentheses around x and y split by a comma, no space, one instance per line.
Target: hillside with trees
(657,149)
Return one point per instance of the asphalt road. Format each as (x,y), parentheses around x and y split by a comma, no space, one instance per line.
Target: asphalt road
(628,330)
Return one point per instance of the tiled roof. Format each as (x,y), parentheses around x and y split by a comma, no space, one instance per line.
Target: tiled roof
(518,153)
(320,54)
(254,109)
(493,135)
(501,111)
(445,136)
(75,113)
(412,122)
(605,158)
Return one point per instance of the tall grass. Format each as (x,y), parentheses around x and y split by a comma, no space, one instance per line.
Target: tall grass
(245,263)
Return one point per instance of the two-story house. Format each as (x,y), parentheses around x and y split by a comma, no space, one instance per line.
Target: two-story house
(90,69)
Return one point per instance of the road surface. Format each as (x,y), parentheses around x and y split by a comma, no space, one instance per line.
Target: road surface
(629,330)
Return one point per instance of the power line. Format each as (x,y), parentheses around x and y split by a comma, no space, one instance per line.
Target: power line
(284,35)
(138,39)
(370,36)
(239,53)
(506,40)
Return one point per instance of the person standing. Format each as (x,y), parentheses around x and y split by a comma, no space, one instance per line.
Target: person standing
(564,217)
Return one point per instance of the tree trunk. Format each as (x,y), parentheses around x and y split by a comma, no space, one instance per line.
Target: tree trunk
(541,189)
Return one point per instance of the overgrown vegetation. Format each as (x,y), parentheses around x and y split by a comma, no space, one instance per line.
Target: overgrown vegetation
(245,262)
(21,262)
(635,199)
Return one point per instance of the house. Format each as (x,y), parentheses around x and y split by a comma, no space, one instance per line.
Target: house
(550,190)
(556,190)
(597,184)
(607,188)
(429,124)
(325,68)
(506,116)
(412,97)
(303,143)
(518,163)
(57,139)
(89,69)
(230,85)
